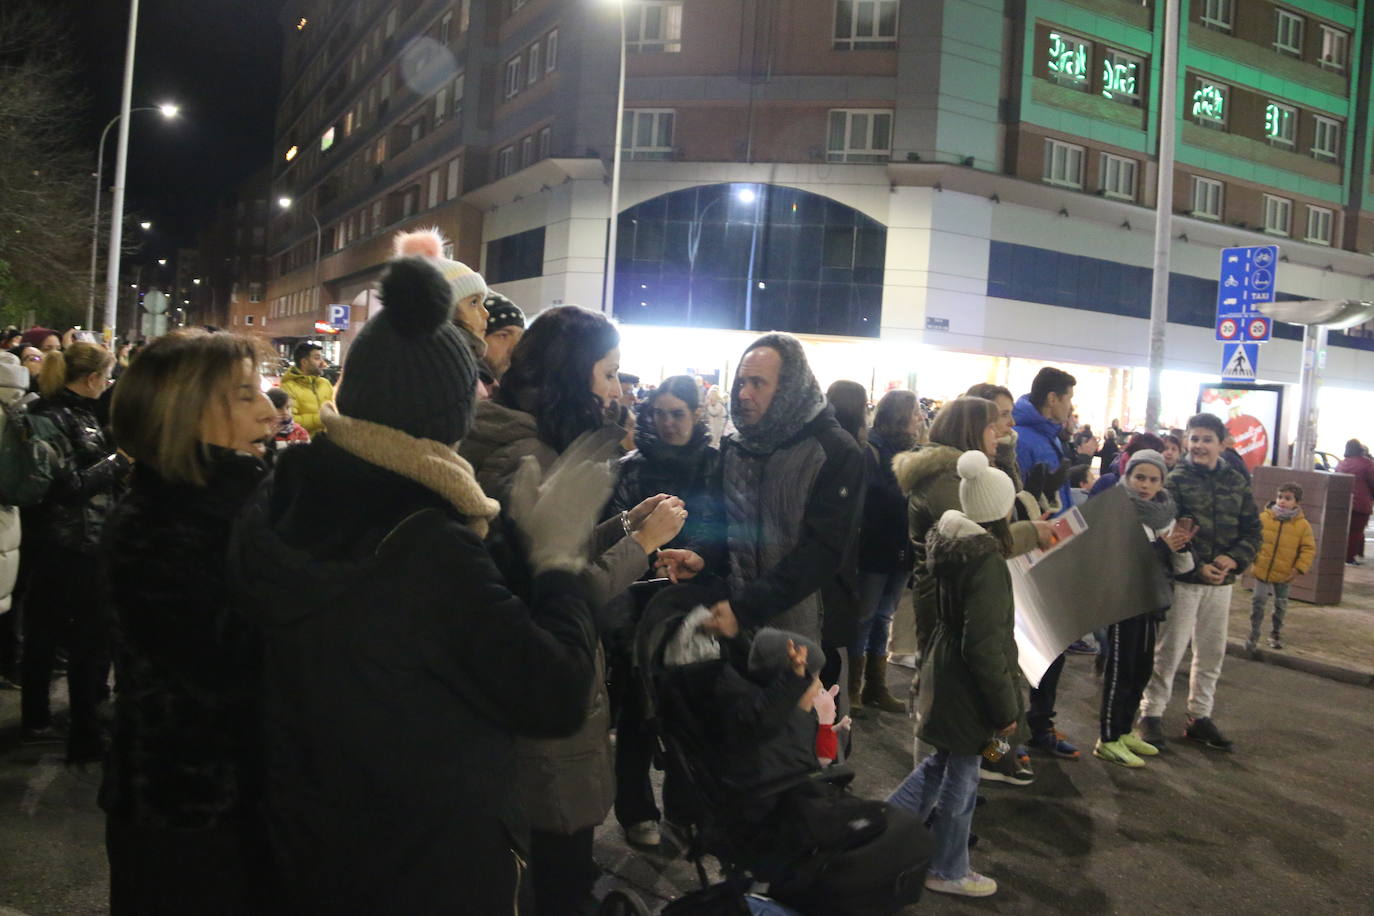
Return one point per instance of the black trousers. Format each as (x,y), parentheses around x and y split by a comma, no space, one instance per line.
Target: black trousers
(218,871)
(63,607)
(1040,715)
(634,754)
(1130,654)
(563,872)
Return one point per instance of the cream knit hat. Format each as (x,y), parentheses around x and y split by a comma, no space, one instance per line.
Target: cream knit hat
(985,493)
(430,243)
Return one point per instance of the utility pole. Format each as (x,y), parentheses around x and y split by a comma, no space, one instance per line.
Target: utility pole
(1164,208)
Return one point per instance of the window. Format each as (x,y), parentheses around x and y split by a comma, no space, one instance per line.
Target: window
(505,162)
(1209,104)
(1206,198)
(515,257)
(1278,212)
(545,142)
(247,319)
(512,77)
(464,16)
(534,68)
(1216,14)
(1121,75)
(440,106)
(376,215)
(1287,33)
(1063,164)
(348,124)
(410,201)
(863,25)
(648,133)
(1334,43)
(455,172)
(1280,124)
(859,135)
(446,28)
(655,27)
(386,85)
(1319,223)
(527,152)
(1118,177)
(434,187)
(1326,139)
(327,139)
(1067,60)
(551,51)
(254,292)
(390,22)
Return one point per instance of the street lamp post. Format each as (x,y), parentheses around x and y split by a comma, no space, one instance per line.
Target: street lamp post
(285,203)
(168,111)
(608,287)
(121,168)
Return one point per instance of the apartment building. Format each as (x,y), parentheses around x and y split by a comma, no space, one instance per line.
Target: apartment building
(934,190)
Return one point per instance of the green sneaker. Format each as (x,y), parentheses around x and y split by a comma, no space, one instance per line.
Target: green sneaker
(1137,746)
(1118,753)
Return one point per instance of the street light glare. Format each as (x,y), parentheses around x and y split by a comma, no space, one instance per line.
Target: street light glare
(161,262)
(746,195)
(283,202)
(145,225)
(169,110)
(196,280)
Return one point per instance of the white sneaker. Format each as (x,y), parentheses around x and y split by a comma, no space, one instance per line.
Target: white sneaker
(645,833)
(970,885)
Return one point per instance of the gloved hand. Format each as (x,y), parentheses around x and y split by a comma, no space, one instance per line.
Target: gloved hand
(558,514)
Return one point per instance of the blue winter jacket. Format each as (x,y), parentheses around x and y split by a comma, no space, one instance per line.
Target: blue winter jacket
(1037,442)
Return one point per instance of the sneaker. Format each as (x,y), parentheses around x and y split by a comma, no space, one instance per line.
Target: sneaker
(1275,642)
(645,833)
(1081,647)
(1138,746)
(1205,732)
(1117,752)
(1053,742)
(1150,730)
(1023,765)
(1004,770)
(1250,646)
(970,885)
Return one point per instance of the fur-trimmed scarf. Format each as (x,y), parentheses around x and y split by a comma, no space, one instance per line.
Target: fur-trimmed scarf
(428,463)
(796,403)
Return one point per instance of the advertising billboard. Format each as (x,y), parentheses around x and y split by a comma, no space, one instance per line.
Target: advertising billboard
(1251,414)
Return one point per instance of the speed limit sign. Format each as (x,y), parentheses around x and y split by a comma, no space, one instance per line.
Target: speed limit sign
(1228,329)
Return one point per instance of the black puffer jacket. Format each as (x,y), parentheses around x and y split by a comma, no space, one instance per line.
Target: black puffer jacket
(683,471)
(87,481)
(884,544)
(184,753)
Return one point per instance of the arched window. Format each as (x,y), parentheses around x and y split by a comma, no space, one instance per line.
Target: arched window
(752,257)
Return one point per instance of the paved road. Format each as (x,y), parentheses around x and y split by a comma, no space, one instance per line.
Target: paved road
(1282,825)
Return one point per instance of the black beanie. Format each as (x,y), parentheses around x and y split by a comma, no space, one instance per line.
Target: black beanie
(502,313)
(409,367)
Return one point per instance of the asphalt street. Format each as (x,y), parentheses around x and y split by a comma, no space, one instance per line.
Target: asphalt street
(1282,825)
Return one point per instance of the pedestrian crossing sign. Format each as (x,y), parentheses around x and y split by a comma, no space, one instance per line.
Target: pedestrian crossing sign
(1239,362)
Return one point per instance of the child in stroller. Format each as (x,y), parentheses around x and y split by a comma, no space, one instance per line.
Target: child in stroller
(737,733)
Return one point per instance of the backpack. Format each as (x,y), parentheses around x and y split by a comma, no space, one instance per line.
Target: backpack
(30,452)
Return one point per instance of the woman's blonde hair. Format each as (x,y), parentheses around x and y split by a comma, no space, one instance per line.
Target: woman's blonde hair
(961,422)
(161,399)
(62,367)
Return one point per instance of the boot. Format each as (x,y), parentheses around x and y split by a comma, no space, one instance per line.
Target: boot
(856,686)
(875,685)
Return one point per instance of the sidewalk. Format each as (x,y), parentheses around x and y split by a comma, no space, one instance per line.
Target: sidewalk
(1335,641)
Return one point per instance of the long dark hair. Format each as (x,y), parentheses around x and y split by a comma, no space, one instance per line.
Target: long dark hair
(850,403)
(551,370)
(960,423)
(892,420)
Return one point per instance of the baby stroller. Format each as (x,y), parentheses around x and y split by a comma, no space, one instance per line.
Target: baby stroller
(821,850)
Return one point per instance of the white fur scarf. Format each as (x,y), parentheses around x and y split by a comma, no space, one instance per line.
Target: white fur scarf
(430,464)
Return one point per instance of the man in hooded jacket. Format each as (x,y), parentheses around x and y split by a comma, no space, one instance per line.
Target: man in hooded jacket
(792,484)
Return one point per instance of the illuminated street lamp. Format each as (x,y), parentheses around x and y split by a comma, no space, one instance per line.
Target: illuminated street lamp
(145,225)
(285,203)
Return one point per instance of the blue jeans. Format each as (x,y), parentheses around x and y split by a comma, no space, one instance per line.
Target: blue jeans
(948,784)
(878,597)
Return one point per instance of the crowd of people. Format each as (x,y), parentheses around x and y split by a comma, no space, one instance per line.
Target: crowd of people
(370,642)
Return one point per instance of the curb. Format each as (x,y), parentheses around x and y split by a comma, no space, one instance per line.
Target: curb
(1347,674)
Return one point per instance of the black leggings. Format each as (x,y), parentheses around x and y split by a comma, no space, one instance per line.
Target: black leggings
(1130,654)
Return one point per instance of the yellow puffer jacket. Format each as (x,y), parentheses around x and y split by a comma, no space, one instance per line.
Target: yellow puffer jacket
(308,394)
(1287,548)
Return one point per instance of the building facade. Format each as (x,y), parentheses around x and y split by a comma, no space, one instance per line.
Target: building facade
(938,192)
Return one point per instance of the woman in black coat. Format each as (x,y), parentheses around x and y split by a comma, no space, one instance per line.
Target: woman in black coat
(182,783)
(61,537)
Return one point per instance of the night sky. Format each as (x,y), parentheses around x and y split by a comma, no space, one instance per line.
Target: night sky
(220,61)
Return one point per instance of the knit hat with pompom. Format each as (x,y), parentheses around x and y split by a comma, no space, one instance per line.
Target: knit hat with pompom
(409,367)
(985,493)
(429,243)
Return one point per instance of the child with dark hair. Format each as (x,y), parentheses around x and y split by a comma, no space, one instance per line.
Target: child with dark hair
(1217,498)
(1081,479)
(1286,552)
(289,432)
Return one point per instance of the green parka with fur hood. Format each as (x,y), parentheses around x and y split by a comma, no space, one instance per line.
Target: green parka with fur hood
(971,683)
(930,479)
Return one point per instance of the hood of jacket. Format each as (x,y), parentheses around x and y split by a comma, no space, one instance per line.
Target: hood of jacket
(296,375)
(797,402)
(14,378)
(915,469)
(499,437)
(649,444)
(955,541)
(1027,416)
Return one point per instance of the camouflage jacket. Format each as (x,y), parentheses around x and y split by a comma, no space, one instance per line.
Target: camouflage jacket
(1220,501)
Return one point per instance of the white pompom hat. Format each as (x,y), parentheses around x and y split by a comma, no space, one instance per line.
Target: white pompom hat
(985,493)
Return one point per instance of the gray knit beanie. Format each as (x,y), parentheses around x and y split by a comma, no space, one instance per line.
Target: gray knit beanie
(409,367)
(1147,456)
